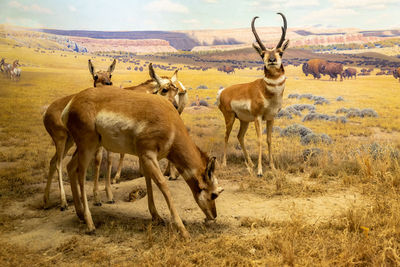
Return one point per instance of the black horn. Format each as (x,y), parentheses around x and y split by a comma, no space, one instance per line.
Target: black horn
(256,35)
(284,28)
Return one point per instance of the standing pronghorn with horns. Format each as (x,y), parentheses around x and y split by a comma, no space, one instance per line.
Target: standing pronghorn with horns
(258,100)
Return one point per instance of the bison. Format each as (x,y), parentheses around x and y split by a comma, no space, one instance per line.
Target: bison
(333,69)
(314,67)
(396,73)
(349,73)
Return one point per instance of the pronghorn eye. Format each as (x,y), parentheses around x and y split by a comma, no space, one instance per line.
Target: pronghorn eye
(281,54)
(110,76)
(164,91)
(213,196)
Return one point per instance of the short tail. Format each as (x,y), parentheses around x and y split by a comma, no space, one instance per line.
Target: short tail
(65,113)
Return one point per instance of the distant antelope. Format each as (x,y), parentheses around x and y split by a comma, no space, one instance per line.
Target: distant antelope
(14,71)
(258,100)
(2,63)
(60,135)
(139,124)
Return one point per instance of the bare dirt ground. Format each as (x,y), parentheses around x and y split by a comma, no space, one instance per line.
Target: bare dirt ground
(42,230)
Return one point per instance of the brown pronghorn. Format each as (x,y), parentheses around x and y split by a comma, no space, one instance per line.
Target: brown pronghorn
(139,124)
(63,141)
(14,71)
(258,100)
(2,63)
(61,138)
(174,91)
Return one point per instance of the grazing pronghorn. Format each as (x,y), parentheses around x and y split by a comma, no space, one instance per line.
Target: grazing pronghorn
(14,71)
(63,141)
(61,138)
(174,91)
(258,100)
(139,124)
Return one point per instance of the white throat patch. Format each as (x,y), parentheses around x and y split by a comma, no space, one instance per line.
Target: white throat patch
(275,81)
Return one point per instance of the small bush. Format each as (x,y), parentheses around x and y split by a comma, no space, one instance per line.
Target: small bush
(202,86)
(339,98)
(295,130)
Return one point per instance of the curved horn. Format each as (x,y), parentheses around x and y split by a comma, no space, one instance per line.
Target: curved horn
(284,28)
(256,35)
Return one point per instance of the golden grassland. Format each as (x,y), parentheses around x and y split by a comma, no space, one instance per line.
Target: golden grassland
(364,234)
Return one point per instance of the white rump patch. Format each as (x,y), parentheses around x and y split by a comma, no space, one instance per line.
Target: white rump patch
(242,109)
(118,132)
(219,95)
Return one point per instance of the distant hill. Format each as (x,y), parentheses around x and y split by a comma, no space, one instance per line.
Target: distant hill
(202,40)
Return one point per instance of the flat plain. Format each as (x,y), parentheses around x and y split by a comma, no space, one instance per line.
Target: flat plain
(333,203)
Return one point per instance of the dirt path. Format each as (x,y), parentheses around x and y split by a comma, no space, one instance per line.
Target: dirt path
(43,229)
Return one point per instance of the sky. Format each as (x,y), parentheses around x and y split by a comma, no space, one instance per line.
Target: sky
(133,15)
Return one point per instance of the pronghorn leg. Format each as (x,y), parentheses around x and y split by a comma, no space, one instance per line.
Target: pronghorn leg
(171,172)
(150,200)
(119,169)
(152,170)
(242,131)
(229,120)
(109,194)
(52,170)
(72,168)
(257,124)
(270,124)
(60,154)
(84,158)
(97,164)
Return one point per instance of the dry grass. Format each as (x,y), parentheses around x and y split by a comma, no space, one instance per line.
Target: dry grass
(367,234)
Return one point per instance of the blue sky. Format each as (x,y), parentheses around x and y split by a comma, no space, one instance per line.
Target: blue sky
(198,14)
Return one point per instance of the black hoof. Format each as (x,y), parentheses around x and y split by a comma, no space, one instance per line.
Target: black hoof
(63,208)
(259,175)
(98,204)
(172,178)
(91,232)
(158,221)
(111,202)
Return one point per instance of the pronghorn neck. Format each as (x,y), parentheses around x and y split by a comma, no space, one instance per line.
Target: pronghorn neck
(274,77)
(189,160)
(149,86)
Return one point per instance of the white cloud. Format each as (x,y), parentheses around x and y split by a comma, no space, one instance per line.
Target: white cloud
(367,4)
(72,8)
(328,15)
(277,4)
(211,1)
(34,7)
(166,6)
(191,21)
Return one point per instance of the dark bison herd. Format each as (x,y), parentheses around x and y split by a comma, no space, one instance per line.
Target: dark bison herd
(319,67)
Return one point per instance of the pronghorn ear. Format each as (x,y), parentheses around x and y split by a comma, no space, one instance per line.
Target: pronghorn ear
(112,66)
(285,45)
(210,168)
(258,49)
(174,77)
(91,67)
(154,75)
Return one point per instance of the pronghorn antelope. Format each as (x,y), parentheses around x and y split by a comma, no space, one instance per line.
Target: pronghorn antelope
(174,91)
(14,71)
(61,138)
(258,100)
(139,124)
(63,141)
(2,63)
(101,77)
